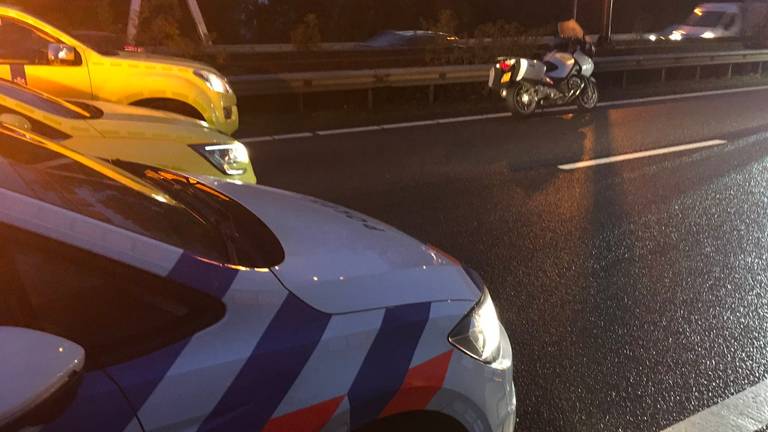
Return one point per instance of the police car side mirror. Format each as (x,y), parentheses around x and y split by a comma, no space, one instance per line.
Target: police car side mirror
(15,121)
(61,54)
(39,373)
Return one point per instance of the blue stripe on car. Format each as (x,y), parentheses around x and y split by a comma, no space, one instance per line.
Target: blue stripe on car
(387,362)
(209,278)
(139,378)
(270,371)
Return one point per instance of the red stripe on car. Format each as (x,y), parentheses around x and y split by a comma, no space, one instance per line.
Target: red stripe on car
(420,386)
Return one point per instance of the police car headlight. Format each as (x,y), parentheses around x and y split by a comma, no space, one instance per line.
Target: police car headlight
(214,81)
(479,334)
(231,159)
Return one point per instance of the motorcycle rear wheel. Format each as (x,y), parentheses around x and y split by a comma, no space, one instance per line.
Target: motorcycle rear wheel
(521,100)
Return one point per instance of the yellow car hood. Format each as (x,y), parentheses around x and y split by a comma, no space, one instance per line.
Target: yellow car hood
(123,121)
(164,60)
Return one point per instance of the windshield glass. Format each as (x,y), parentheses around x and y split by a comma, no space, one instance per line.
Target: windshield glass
(42,101)
(149,204)
(705,19)
(248,241)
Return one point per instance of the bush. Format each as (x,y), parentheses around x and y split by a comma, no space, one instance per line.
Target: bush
(447,22)
(495,39)
(306,35)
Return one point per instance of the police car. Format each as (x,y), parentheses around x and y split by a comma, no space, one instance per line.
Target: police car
(111,131)
(37,54)
(206,305)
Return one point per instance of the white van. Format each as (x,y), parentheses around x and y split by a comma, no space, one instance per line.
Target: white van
(709,21)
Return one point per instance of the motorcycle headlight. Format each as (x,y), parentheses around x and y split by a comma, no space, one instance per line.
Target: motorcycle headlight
(231,159)
(479,334)
(214,81)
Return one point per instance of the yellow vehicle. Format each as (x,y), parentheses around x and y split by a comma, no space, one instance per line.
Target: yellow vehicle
(45,58)
(128,133)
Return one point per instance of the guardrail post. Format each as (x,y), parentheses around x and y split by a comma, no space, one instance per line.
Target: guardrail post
(432,94)
(760,69)
(301,102)
(698,73)
(624,79)
(370,98)
(730,71)
(663,75)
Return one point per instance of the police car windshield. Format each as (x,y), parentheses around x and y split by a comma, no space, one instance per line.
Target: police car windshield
(53,174)
(42,101)
(248,240)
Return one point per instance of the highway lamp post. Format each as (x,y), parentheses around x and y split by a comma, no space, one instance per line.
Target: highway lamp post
(134,15)
(605,36)
(133,21)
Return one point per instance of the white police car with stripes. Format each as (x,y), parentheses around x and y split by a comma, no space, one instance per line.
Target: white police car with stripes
(204,305)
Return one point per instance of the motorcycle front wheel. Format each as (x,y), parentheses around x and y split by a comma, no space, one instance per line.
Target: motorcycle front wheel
(589,96)
(521,99)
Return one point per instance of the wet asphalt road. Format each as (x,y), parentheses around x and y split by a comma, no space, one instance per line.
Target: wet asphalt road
(635,294)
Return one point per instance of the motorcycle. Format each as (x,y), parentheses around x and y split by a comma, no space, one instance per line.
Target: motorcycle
(562,77)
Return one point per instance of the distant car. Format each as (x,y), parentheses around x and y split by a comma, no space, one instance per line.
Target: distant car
(207,305)
(708,21)
(105,43)
(410,39)
(122,132)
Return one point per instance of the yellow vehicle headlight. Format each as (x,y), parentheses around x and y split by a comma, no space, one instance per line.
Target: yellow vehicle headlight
(231,159)
(214,81)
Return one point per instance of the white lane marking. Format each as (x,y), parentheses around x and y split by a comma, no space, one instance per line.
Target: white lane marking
(292,136)
(461,119)
(348,130)
(408,124)
(681,96)
(499,115)
(638,155)
(256,139)
(744,412)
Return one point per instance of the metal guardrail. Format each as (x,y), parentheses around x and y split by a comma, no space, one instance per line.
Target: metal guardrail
(314,82)
(352,46)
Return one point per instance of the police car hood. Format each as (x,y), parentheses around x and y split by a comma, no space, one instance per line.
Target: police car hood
(341,261)
(118,119)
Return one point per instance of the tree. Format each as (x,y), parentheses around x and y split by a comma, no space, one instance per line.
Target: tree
(160,26)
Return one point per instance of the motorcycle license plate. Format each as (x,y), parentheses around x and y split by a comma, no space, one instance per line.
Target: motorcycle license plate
(507,76)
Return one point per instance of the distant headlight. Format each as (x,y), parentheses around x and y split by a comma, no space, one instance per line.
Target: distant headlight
(708,35)
(479,334)
(230,159)
(676,36)
(653,37)
(214,81)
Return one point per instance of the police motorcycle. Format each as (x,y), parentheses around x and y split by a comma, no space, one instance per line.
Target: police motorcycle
(562,77)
